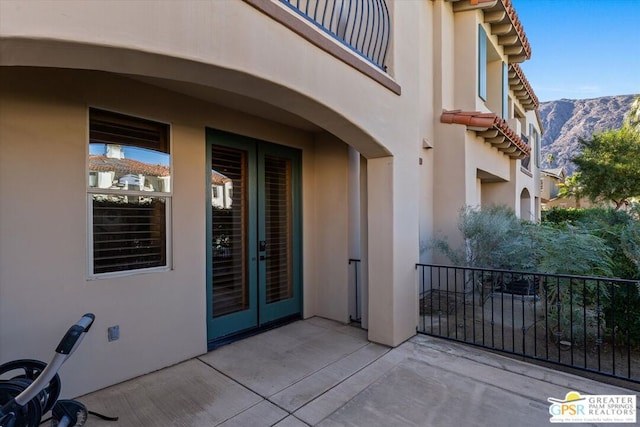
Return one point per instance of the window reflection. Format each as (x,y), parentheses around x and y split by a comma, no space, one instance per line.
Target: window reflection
(221,190)
(123,167)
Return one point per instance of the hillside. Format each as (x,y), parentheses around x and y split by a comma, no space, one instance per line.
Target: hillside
(566,120)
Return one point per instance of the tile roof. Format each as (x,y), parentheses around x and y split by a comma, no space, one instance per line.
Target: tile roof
(521,88)
(518,29)
(492,128)
(556,172)
(460,6)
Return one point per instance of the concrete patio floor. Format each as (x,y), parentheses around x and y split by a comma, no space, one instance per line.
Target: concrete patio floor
(320,372)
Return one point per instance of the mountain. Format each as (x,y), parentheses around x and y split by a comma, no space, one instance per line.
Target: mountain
(566,120)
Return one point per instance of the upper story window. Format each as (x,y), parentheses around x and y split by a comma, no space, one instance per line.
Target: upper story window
(482,63)
(519,125)
(493,76)
(505,91)
(535,142)
(129,193)
(362,25)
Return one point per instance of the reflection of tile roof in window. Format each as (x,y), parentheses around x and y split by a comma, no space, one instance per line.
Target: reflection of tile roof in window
(101,163)
(218,179)
(492,128)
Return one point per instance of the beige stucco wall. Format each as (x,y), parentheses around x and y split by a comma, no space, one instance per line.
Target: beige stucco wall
(331,222)
(465,61)
(548,186)
(44,286)
(503,192)
(226,45)
(180,60)
(43,250)
(467,170)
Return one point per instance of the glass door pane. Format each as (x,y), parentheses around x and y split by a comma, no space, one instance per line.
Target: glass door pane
(229,241)
(278,229)
(253,234)
(279,224)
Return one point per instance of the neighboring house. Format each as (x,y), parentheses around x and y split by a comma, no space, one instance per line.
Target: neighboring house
(549,190)
(549,180)
(193,170)
(221,190)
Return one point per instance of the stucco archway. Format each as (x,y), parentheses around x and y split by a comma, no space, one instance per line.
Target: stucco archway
(240,89)
(526,210)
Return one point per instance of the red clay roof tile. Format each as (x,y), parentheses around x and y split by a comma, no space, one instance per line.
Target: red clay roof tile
(527,96)
(482,122)
(517,25)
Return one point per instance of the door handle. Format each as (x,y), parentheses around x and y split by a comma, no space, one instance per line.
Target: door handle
(262,246)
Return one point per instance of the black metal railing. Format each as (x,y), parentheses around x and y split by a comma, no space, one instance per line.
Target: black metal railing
(587,323)
(362,25)
(357,316)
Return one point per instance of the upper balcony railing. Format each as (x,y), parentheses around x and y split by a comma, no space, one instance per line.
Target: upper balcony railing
(362,25)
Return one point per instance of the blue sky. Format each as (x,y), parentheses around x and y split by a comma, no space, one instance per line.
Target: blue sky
(582,48)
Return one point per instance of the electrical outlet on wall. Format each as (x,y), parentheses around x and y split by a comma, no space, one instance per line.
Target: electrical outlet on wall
(113,333)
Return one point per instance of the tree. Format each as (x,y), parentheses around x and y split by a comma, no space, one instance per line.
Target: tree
(571,188)
(550,159)
(609,165)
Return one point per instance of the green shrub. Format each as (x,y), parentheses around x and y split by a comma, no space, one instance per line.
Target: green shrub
(570,250)
(496,238)
(621,308)
(557,215)
(607,224)
(493,239)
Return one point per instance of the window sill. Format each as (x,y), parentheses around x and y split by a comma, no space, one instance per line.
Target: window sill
(119,274)
(526,171)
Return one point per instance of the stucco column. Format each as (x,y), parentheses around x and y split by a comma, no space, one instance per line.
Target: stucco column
(355,287)
(392,255)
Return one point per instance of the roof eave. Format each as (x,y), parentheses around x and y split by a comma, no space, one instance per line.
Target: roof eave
(493,129)
(464,5)
(522,88)
(505,24)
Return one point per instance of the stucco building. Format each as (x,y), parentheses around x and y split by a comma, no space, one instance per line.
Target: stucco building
(193,170)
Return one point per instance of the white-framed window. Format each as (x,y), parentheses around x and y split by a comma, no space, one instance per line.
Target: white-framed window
(128,194)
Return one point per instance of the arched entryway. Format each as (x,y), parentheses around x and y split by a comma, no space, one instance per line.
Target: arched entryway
(526,210)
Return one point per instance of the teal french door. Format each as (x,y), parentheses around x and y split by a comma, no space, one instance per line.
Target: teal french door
(253,234)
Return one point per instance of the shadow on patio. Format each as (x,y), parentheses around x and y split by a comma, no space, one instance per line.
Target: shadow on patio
(319,372)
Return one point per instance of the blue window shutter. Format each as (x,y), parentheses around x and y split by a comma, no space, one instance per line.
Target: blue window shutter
(505,91)
(535,144)
(537,147)
(482,63)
